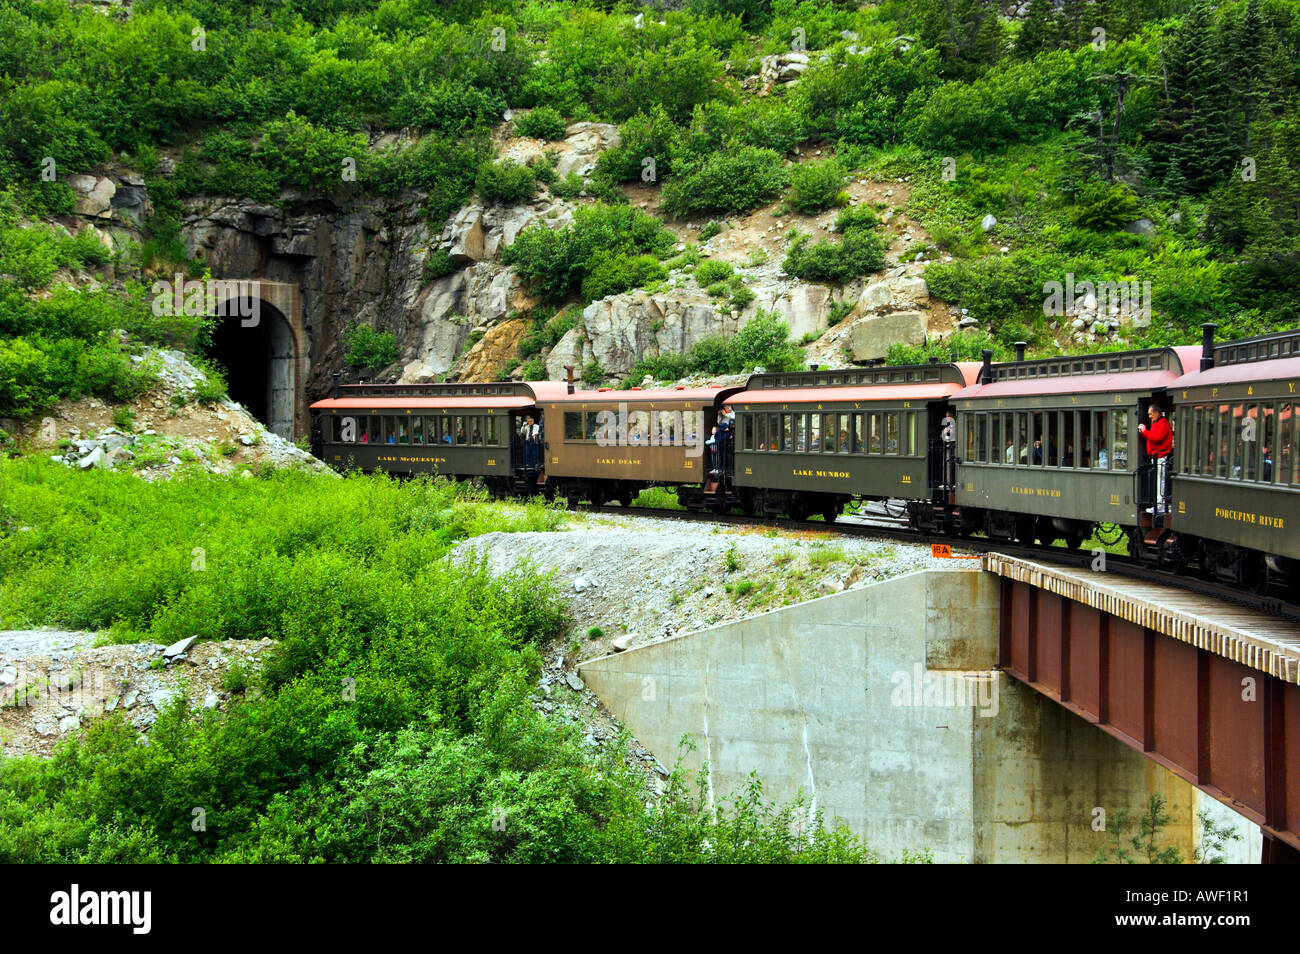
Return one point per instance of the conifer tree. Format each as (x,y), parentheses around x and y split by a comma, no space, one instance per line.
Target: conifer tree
(1040,31)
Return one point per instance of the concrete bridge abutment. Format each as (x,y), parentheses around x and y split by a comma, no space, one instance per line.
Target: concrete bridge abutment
(884,706)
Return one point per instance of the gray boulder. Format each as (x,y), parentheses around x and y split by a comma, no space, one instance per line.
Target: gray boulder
(872,336)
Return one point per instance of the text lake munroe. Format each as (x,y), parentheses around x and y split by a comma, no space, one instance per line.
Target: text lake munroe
(102,908)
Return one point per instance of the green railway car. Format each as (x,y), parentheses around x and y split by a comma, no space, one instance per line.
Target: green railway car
(808,442)
(1236,494)
(1050,448)
(456,430)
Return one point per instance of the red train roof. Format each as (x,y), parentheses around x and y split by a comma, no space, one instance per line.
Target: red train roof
(433,403)
(1187,356)
(1245,371)
(863,393)
(705,395)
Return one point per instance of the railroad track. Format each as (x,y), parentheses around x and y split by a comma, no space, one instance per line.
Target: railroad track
(879,521)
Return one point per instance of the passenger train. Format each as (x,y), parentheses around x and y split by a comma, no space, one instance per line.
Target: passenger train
(1039,450)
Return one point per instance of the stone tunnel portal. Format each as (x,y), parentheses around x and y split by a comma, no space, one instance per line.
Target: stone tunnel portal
(258,348)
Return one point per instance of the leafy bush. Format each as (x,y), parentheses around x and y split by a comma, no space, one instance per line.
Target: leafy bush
(540,123)
(1013,102)
(505,181)
(859,252)
(367,347)
(645,136)
(557,261)
(1106,208)
(711,270)
(306,156)
(438,265)
(535,370)
(615,272)
(816,186)
(734,181)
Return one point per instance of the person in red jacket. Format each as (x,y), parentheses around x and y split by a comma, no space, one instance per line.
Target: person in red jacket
(1160,443)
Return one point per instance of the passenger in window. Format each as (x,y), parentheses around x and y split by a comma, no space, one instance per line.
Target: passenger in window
(844,442)
(1068,459)
(1010,453)
(1038,450)
(1268,464)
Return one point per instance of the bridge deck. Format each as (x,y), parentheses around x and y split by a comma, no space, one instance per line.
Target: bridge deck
(1249,637)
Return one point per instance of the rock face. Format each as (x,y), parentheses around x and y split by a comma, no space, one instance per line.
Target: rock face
(621,330)
(872,336)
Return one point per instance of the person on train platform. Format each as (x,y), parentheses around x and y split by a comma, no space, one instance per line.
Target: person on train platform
(1160,444)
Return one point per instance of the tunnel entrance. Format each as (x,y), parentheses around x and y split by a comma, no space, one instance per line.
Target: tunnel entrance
(259,357)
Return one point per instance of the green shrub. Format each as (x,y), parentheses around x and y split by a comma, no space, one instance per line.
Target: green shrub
(861,250)
(570,187)
(305,156)
(1106,208)
(505,181)
(645,136)
(367,347)
(535,370)
(556,261)
(438,265)
(540,123)
(710,271)
(816,186)
(737,180)
(615,272)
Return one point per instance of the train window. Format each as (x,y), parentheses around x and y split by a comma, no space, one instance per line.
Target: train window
(344,429)
(1267,445)
(891,432)
(773,432)
(1022,438)
(1223,439)
(1209,427)
(858,446)
(417,430)
(1100,458)
(1068,432)
(981,438)
(1288,471)
(1119,443)
(460,429)
(638,428)
(1035,455)
(491,435)
(1235,448)
(815,434)
(968,425)
(829,444)
(875,435)
(844,439)
(1251,440)
(787,432)
(403,431)
(800,432)
(747,432)
(1052,438)
(995,439)
(476,430)
(572,425)
(670,428)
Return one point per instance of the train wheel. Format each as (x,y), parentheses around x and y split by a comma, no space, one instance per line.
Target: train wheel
(626,497)
(830,512)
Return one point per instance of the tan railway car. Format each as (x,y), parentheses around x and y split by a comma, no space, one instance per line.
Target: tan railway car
(610,445)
